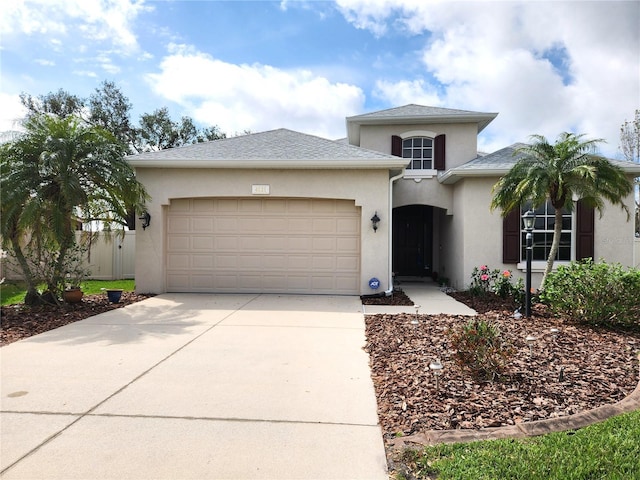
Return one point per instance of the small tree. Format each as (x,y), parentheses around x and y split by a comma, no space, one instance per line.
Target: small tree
(569,168)
(60,170)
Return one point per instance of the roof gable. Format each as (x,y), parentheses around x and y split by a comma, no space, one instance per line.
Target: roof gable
(413,114)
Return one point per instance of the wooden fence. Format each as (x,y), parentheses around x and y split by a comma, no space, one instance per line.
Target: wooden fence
(111,257)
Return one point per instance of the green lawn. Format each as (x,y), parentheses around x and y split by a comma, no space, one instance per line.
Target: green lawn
(608,450)
(13,292)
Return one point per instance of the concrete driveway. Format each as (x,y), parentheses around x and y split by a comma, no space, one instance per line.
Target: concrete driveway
(195,386)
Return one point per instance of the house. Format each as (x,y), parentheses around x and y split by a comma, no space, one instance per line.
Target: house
(285,212)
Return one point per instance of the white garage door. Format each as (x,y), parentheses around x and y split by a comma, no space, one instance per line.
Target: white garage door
(263,245)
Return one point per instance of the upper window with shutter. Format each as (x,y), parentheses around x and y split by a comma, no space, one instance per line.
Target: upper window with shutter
(419,152)
(425,155)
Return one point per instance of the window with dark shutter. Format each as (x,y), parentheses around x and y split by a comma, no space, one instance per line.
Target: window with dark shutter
(396,146)
(511,237)
(439,152)
(585,227)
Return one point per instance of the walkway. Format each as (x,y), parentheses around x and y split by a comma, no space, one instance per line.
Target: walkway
(428,296)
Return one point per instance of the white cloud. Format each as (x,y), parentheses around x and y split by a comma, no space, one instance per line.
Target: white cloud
(101,20)
(254,97)
(44,62)
(11,113)
(495,57)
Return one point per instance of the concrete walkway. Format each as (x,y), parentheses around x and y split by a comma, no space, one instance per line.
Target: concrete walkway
(428,296)
(195,386)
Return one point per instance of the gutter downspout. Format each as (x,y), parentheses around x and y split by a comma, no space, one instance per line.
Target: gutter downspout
(391,181)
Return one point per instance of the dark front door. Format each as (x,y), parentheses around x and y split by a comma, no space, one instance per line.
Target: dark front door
(412,240)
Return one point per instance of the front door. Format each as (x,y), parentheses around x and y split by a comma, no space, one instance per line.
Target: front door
(412,240)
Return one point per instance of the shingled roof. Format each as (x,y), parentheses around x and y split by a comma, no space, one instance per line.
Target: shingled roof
(500,162)
(413,114)
(280,148)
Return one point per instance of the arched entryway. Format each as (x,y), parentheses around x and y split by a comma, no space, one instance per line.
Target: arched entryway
(413,240)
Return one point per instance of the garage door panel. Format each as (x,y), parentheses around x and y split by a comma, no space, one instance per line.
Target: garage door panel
(178,261)
(203,205)
(179,243)
(224,262)
(263,245)
(299,225)
(226,224)
(202,242)
(178,224)
(347,264)
(347,245)
(348,226)
(202,225)
(324,226)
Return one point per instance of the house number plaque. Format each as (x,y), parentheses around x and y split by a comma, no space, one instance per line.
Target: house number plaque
(259,189)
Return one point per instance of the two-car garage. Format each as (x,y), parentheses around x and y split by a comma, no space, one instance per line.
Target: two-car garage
(270,245)
(271,212)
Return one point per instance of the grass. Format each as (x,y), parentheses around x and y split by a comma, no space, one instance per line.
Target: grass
(13,292)
(608,450)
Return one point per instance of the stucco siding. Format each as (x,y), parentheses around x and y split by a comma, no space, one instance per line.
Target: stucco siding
(368,188)
(614,234)
(428,191)
(461,143)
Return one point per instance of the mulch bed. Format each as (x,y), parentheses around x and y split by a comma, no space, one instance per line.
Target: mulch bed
(397,297)
(580,369)
(19,321)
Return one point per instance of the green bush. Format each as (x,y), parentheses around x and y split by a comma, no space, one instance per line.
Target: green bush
(479,349)
(595,293)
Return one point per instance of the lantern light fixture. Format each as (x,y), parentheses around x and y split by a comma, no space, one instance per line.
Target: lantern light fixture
(375,220)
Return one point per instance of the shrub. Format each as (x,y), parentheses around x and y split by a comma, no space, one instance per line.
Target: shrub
(595,293)
(479,349)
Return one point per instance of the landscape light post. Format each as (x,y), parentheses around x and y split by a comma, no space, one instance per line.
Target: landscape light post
(528,219)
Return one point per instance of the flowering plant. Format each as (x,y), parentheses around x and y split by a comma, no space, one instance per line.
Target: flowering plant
(481,280)
(485,280)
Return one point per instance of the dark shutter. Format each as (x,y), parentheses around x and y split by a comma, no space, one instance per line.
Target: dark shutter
(585,227)
(439,152)
(511,237)
(396,146)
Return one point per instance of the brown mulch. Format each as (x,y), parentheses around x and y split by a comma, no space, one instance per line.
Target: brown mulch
(397,297)
(18,321)
(582,368)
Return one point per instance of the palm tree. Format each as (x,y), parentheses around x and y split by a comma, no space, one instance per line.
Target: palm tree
(61,169)
(568,169)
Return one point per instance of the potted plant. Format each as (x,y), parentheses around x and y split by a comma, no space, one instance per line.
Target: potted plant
(114,294)
(75,275)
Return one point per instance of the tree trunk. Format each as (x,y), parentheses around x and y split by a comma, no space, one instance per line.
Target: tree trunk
(555,244)
(32,296)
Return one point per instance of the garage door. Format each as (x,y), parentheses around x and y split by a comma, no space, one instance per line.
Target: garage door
(263,245)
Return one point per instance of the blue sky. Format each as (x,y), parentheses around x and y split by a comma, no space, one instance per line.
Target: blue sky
(545,67)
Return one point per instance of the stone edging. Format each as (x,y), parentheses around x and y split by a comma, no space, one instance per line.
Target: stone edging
(523,430)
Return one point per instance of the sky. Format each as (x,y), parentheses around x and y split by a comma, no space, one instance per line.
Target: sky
(544,67)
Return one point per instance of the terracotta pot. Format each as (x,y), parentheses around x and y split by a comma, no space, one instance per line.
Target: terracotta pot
(72,295)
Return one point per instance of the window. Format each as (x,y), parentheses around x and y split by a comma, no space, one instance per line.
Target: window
(420,151)
(543,234)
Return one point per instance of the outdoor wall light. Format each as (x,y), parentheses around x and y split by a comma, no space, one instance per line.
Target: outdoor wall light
(375,220)
(436,367)
(146,219)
